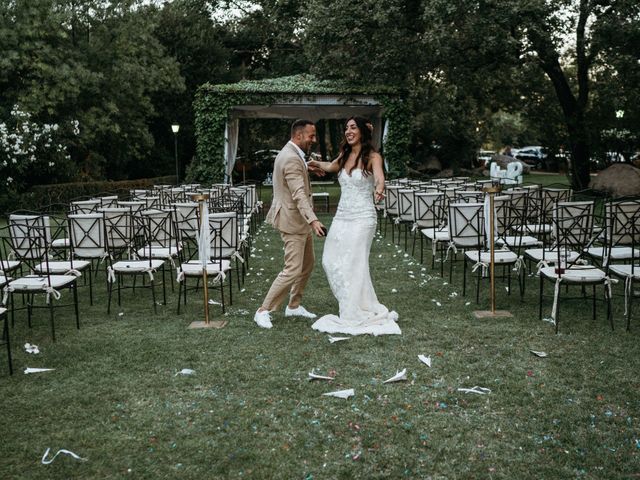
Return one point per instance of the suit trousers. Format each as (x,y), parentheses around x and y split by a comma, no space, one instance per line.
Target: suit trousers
(298,265)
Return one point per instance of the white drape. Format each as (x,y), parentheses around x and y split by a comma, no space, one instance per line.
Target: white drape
(230,148)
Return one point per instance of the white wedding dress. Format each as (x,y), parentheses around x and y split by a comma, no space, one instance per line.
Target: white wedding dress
(346,263)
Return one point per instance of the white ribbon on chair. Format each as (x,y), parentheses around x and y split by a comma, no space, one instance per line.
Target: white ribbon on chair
(52,291)
(479,264)
(519,265)
(237,255)
(73,272)
(628,283)
(397,220)
(8,289)
(111,275)
(414,227)
(450,247)
(179,275)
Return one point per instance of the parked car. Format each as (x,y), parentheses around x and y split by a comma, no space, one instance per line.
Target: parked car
(534,155)
(484,157)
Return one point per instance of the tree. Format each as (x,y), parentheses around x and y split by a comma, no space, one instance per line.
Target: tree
(536,33)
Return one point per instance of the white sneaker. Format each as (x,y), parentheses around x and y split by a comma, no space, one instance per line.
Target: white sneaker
(263,319)
(298,312)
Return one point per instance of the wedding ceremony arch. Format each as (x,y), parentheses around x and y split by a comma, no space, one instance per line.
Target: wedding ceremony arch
(219,109)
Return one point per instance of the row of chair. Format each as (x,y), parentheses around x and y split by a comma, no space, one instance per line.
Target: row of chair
(41,254)
(569,240)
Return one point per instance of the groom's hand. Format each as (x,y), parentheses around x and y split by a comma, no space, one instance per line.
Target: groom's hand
(319,229)
(316,170)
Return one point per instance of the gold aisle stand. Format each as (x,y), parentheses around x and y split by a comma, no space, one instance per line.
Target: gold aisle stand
(493,313)
(201,198)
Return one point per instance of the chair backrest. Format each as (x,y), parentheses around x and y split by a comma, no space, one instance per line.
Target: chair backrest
(405,204)
(159,229)
(572,225)
(620,222)
(466,224)
(87,235)
(391,204)
(120,230)
(227,237)
(108,201)
(185,217)
(469,196)
(428,209)
(30,236)
(134,206)
(549,197)
(85,206)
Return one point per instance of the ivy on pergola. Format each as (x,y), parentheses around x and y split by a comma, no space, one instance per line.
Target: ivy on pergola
(219,107)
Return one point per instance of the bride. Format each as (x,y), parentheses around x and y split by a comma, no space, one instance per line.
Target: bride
(346,250)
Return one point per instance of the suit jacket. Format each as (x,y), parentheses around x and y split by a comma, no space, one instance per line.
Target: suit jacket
(292,206)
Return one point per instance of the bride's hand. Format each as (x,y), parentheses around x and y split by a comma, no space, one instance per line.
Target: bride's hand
(379,196)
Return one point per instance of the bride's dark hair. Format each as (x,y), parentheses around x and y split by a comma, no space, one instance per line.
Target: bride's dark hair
(365,128)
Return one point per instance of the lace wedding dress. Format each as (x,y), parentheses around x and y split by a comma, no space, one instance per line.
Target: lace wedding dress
(346,263)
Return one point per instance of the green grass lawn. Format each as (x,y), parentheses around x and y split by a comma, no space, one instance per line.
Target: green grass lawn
(250,412)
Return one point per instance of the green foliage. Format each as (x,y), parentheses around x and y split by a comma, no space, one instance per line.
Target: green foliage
(214,102)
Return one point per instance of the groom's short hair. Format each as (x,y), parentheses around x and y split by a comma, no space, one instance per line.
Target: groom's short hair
(299,125)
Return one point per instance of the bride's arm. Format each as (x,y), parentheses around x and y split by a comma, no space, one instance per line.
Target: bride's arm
(378,175)
(329,167)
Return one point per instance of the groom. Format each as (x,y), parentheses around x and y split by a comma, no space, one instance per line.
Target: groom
(292,214)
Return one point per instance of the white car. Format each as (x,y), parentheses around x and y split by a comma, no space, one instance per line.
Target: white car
(534,156)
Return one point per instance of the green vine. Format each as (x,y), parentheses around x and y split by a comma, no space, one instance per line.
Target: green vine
(213,104)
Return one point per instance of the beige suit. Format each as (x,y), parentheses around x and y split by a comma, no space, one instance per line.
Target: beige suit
(291,213)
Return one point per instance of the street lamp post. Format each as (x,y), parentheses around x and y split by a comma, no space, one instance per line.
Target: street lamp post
(174,129)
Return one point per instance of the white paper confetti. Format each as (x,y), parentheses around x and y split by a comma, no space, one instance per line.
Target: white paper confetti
(337,339)
(340,393)
(37,370)
(314,376)
(425,360)
(31,348)
(62,450)
(539,354)
(398,377)
(393,290)
(185,371)
(476,389)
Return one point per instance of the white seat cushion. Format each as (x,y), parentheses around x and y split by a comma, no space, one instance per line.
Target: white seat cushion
(194,268)
(136,266)
(625,271)
(3,311)
(501,256)
(515,241)
(617,253)
(61,267)
(549,255)
(60,243)
(159,252)
(576,274)
(9,265)
(535,228)
(3,280)
(437,235)
(35,282)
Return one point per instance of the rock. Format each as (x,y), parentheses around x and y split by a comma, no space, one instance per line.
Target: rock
(619,180)
(504,160)
(448,173)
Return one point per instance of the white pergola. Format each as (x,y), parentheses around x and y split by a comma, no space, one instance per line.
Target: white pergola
(311,107)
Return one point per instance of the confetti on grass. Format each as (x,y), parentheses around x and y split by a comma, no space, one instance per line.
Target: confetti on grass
(398,377)
(425,360)
(314,376)
(185,371)
(539,354)
(337,339)
(31,348)
(66,452)
(340,393)
(476,389)
(37,370)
